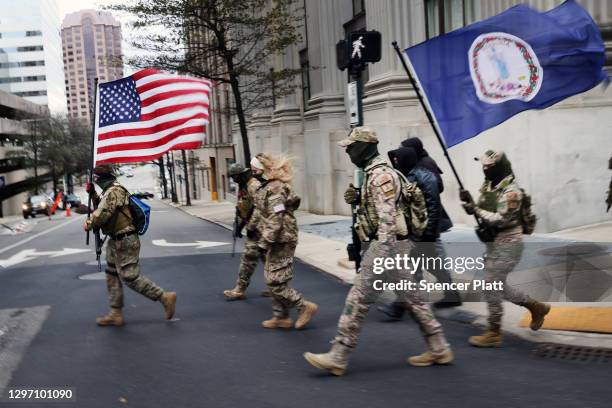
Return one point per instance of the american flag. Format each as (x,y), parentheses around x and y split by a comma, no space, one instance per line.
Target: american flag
(140,117)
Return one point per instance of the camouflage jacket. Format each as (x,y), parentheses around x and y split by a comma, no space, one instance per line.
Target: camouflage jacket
(500,206)
(380,192)
(245,205)
(275,203)
(113,214)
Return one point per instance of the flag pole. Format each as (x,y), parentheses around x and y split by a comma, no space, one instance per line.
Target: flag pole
(93,153)
(427,112)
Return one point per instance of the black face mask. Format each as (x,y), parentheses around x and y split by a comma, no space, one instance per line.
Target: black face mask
(104,181)
(259,177)
(361,153)
(495,174)
(243,178)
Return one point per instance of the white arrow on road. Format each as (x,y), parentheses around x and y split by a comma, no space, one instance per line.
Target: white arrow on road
(197,244)
(29,254)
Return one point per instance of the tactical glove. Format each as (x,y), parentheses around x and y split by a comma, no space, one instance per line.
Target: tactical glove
(469,208)
(351,195)
(465,196)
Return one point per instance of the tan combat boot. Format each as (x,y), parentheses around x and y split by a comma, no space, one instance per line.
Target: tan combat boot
(266,293)
(334,361)
(277,323)
(114,318)
(439,352)
(168,299)
(237,293)
(490,338)
(538,313)
(308,310)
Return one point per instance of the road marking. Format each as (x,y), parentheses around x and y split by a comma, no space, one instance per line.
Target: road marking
(19,328)
(23,241)
(197,244)
(29,254)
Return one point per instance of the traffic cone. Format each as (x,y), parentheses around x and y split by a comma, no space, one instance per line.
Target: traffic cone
(68,212)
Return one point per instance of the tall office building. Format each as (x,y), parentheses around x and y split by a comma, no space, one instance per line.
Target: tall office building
(92,48)
(30,52)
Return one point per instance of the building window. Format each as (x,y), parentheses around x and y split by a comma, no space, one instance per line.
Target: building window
(305,73)
(443,16)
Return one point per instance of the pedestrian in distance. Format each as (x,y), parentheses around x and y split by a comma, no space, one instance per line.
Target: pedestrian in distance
(504,211)
(384,235)
(275,203)
(122,249)
(246,216)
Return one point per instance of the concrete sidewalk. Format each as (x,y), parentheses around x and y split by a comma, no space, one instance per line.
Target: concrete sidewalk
(323,239)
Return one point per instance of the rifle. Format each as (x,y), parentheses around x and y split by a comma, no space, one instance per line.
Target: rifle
(354,248)
(98,239)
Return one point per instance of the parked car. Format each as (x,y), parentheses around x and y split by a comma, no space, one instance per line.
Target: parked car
(73,200)
(37,204)
(143,195)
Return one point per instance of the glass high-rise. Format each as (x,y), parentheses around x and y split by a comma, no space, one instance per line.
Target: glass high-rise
(91,42)
(30,52)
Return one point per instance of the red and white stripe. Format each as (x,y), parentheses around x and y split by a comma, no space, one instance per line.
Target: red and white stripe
(174,114)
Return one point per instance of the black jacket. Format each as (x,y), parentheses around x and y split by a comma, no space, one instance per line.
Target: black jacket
(405,159)
(437,219)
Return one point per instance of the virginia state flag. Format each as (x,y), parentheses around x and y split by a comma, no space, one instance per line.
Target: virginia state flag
(481,75)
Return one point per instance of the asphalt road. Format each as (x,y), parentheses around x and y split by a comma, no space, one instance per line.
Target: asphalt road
(215,354)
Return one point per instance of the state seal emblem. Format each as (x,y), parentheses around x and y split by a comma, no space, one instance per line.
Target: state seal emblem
(504,67)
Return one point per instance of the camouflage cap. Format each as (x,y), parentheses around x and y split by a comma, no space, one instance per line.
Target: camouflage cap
(491,157)
(360,134)
(235,169)
(104,170)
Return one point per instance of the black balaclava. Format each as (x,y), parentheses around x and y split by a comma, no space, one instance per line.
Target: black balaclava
(498,171)
(417,145)
(243,178)
(404,159)
(361,153)
(104,180)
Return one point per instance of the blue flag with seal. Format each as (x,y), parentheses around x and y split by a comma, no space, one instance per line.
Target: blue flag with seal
(476,77)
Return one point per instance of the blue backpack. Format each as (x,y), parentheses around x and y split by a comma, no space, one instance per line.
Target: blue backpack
(140,212)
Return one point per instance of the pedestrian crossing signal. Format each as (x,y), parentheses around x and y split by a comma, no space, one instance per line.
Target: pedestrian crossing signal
(359,48)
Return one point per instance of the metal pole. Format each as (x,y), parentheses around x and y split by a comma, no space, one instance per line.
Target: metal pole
(427,112)
(186,173)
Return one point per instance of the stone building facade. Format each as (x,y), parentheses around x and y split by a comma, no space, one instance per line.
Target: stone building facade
(559,155)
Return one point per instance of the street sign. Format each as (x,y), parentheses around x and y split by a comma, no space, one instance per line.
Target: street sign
(353,102)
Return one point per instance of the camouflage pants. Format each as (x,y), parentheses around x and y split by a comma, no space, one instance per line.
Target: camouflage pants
(278,271)
(502,256)
(363,294)
(248,262)
(122,265)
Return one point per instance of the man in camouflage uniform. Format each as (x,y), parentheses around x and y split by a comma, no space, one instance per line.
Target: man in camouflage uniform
(245,209)
(123,248)
(276,203)
(499,210)
(378,230)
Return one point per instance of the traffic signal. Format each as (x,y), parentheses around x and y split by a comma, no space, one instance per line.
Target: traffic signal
(342,55)
(360,47)
(364,46)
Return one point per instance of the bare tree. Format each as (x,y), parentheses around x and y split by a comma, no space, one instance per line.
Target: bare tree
(229,41)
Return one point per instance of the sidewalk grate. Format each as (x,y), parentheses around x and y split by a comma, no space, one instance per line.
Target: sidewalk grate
(574,353)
